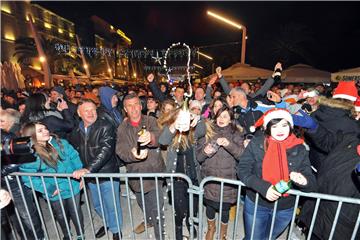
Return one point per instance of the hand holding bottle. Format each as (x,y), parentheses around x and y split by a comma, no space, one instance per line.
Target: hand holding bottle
(145,138)
(298,178)
(272,194)
(142,155)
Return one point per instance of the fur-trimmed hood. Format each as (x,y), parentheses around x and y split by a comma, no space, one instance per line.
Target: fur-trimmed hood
(336,103)
(335,115)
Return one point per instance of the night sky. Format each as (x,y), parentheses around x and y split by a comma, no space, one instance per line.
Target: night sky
(325,35)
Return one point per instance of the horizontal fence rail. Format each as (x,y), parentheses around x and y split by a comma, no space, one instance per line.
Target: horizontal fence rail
(163,227)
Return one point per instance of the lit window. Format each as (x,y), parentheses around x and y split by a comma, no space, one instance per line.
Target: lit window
(47,25)
(5,8)
(9,36)
(71,35)
(60,30)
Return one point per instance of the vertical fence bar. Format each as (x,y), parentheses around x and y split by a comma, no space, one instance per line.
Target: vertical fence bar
(143,204)
(237,211)
(201,209)
(356,227)
(191,209)
(16,211)
(254,220)
(293,217)
(38,209)
(220,209)
(49,206)
(62,207)
(158,208)
(102,206)
(273,219)
(115,207)
(173,205)
(76,208)
(129,207)
(26,207)
(335,220)
(314,218)
(88,208)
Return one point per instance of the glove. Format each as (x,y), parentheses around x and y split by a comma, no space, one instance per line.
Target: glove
(304,120)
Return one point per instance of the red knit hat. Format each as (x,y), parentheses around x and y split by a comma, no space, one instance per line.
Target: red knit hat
(357,104)
(272,114)
(346,90)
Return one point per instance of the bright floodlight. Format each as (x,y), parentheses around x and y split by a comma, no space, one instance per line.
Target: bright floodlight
(224,19)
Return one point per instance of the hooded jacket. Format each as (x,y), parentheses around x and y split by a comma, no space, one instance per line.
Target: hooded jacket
(106,94)
(336,177)
(334,116)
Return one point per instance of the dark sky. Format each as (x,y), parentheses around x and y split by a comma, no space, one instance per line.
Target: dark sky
(323,34)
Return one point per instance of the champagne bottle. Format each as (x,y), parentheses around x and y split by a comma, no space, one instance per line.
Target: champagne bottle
(139,147)
(277,75)
(282,186)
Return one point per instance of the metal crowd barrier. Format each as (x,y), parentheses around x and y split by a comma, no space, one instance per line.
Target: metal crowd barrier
(239,185)
(124,178)
(170,229)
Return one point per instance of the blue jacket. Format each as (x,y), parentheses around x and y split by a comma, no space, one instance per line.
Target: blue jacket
(70,161)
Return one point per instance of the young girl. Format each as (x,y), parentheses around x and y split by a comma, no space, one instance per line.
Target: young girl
(54,155)
(269,158)
(218,158)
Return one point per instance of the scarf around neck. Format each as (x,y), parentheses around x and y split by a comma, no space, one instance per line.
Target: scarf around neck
(275,163)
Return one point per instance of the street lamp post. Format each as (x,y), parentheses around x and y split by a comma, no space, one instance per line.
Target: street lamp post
(238,26)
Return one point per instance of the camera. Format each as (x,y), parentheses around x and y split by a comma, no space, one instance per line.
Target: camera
(59,100)
(17,146)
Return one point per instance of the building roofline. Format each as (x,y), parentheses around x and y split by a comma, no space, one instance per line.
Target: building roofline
(45,9)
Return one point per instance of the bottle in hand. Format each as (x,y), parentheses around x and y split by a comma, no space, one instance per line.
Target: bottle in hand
(282,186)
(139,147)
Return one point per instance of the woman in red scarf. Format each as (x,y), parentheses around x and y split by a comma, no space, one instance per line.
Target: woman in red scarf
(276,156)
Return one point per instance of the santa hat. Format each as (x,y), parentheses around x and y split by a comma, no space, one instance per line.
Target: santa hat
(273,114)
(357,104)
(346,90)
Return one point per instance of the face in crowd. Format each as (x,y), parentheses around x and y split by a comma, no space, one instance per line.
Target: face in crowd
(87,112)
(42,133)
(217,105)
(54,96)
(224,119)
(179,94)
(280,131)
(133,109)
(199,94)
(151,104)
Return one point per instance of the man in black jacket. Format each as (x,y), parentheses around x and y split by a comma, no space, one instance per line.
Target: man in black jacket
(95,139)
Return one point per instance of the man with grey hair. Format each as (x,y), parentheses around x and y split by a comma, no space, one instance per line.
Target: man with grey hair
(247,111)
(147,160)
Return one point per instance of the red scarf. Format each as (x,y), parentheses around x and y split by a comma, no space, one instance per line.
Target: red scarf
(275,164)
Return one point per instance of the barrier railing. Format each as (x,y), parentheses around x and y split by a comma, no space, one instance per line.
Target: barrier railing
(239,185)
(30,230)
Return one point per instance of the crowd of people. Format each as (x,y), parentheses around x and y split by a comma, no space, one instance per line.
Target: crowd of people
(261,134)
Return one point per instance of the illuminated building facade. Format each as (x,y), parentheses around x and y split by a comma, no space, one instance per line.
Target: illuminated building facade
(15,24)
